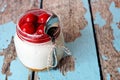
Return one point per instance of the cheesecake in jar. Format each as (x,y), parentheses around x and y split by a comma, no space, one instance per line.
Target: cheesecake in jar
(33,44)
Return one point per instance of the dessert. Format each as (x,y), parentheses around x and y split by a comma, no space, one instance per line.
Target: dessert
(33,45)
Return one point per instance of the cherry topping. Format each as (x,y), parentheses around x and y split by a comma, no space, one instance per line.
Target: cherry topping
(40,29)
(28,28)
(21,22)
(33,23)
(30,18)
(43,18)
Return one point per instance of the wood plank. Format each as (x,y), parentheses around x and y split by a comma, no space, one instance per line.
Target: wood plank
(71,14)
(12,9)
(106,21)
(82,47)
(18,71)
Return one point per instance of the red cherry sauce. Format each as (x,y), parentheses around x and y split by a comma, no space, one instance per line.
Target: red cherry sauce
(31,26)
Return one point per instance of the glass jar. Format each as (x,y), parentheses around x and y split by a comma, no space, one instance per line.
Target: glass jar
(38,51)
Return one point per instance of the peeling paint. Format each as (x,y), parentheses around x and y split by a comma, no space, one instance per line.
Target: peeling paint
(107,76)
(6,35)
(116,31)
(73,19)
(84,51)
(99,20)
(104,57)
(1,75)
(115,12)
(10,10)
(118,69)
(117,3)
(3,8)
(94,0)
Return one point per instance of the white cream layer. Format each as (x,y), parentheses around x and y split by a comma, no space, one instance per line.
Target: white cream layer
(33,55)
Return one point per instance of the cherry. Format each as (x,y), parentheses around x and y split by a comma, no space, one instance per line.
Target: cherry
(40,29)
(21,22)
(43,18)
(28,28)
(31,18)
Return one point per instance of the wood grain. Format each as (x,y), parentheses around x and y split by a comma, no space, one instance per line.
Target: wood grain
(74,16)
(10,10)
(105,38)
(71,14)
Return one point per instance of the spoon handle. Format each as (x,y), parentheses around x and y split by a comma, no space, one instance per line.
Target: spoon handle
(41,4)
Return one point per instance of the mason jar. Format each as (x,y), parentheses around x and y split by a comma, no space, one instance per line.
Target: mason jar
(38,51)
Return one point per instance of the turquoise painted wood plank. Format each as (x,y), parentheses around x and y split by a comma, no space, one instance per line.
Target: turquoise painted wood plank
(99,20)
(83,50)
(6,32)
(115,25)
(108,32)
(116,31)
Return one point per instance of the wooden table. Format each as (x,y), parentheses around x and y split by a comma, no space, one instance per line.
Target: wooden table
(98,45)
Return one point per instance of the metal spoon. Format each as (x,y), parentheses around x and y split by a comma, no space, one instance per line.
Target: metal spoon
(52,27)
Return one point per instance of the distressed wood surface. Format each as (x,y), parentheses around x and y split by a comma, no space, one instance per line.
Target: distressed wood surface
(71,14)
(12,9)
(107,22)
(82,47)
